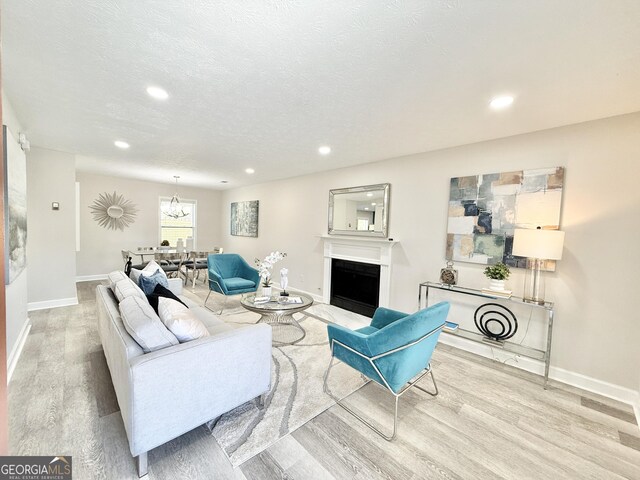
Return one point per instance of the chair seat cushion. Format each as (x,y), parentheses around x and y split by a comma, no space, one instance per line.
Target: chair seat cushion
(237,283)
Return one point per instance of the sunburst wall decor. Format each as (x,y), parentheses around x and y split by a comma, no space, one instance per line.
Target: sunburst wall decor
(113,211)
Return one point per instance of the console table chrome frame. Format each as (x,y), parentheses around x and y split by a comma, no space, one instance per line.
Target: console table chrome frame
(543,355)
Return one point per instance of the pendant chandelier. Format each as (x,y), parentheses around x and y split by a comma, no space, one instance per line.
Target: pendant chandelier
(175,209)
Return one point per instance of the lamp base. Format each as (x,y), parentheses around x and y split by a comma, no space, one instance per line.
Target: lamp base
(534,282)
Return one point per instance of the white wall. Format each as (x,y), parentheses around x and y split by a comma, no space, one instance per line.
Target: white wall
(51,247)
(100,248)
(596,331)
(16,293)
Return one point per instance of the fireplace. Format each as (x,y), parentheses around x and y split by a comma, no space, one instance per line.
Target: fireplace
(355,286)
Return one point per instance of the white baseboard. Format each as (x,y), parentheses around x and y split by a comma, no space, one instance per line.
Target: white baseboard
(59,302)
(14,355)
(91,278)
(584,382)
(316,298)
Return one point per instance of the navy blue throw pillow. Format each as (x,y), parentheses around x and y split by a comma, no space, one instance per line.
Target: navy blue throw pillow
(161,291)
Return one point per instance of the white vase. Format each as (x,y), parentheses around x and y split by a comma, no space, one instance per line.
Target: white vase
(497,285)
(266,291)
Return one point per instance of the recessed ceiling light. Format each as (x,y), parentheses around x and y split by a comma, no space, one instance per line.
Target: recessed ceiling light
(366,208)
(373,204)
(121,144)
(370,194)
(324,150)
(499,103)
(250,170)
(158,93)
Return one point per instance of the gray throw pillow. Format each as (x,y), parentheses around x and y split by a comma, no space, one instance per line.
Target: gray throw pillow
(144,326)
(126,288)
(114,277)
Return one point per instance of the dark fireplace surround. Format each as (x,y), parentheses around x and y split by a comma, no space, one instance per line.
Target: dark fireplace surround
(355,286)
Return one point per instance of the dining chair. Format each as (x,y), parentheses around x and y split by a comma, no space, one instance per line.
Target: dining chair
(394,351)
(128,263)
(195,262)
(171,263)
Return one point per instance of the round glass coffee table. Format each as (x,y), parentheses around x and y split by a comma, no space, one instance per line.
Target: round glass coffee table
(286,329)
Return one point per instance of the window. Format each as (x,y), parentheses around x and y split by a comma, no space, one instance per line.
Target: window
(174,228)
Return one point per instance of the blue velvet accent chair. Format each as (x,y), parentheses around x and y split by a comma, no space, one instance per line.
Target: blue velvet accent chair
(230,274)
(394,351)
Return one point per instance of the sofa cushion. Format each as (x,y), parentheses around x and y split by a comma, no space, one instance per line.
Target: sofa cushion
(180,320)
(115,277)
(162,291)
(148,283)
(237,283)
(126,288)
(144,325)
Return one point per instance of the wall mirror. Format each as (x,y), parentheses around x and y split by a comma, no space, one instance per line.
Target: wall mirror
(359,210)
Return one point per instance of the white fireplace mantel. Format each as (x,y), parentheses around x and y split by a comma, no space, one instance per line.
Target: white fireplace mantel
(375,251)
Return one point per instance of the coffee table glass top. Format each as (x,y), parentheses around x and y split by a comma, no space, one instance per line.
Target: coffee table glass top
(275,305)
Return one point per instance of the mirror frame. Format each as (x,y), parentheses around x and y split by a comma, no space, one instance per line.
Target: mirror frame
(366,188)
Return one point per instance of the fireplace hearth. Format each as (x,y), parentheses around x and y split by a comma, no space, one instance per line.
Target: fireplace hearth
(355,286)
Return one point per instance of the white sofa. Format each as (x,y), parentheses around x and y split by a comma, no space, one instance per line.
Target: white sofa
(168,392)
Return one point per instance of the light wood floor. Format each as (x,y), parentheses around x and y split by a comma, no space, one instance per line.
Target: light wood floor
(490,421)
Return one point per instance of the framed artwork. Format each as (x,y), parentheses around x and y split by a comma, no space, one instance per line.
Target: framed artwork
(244,218)
(15,201)
(484,210)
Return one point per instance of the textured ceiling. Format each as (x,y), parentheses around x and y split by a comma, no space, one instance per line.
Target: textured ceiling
(262,84)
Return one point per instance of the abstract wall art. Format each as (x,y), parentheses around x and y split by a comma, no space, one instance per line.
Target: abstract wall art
(15,201)
(485,209)
(244,218)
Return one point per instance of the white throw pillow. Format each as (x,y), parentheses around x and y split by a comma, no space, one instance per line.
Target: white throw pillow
(151,268)
(144,325)
(180,320)
(126,288)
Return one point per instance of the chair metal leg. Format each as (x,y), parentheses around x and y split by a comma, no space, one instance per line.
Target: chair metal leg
(389,438)
(224,304)
(427,370)
(142,462)
(435,385)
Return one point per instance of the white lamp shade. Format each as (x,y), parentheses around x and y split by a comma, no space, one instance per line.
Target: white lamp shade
(543,244)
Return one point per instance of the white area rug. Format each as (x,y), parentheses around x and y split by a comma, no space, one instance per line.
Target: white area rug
(296,394)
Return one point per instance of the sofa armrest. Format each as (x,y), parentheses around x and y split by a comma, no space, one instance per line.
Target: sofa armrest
(176,389)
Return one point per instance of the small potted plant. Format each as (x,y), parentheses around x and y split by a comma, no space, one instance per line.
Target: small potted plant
(497,274)
(164,245)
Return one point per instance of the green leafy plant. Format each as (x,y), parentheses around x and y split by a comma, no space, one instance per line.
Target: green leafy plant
(165,243)
(499,271)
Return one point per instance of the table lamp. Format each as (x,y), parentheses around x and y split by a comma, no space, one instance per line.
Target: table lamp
(537,245)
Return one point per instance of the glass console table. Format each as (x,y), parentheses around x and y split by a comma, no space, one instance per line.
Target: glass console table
(496,301)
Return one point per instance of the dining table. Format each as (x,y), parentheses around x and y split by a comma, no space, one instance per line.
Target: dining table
(143,252)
